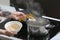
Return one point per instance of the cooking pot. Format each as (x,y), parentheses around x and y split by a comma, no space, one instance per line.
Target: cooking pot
(38,27)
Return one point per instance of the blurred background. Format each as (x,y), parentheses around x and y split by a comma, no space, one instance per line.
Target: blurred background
(49,8)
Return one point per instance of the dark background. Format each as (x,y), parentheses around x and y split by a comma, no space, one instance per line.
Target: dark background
(50,8)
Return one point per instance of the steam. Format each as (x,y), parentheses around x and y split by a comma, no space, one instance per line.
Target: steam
(34,7)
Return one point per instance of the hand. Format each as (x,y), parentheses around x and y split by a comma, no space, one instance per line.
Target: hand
(8,33)
(18,15)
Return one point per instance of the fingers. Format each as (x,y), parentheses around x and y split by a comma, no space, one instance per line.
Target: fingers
(2,31)
(8,33)
(17,13)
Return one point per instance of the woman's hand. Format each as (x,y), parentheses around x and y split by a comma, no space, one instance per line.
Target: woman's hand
(8,33)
